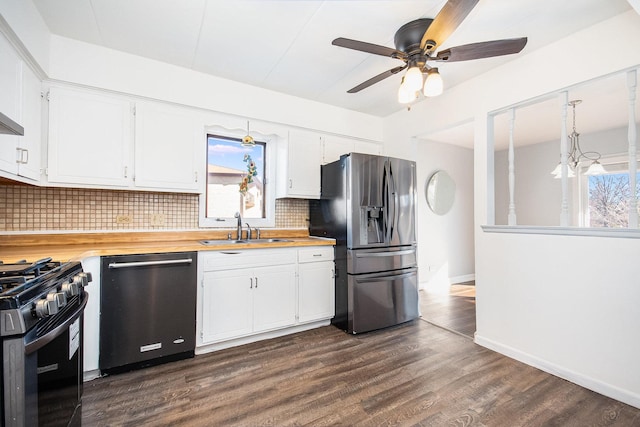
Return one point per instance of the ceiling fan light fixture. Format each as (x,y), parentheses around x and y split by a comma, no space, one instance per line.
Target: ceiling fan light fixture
(433,84)
(413,78)
(405,93)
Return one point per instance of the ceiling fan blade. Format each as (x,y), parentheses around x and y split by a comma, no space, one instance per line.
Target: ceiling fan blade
(445,23)
(377,78)
(368,47)
(482,50)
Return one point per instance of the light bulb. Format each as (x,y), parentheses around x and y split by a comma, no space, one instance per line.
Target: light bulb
(405,94)
(433,84)
(413,79)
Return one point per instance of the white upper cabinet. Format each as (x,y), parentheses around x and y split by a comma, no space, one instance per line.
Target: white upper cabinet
(299,166)
(335,146)
(90,138)
(29,151)
(167,144)
(10,103)
(108,141)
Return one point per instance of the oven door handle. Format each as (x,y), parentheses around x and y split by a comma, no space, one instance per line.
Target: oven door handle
(149,263)
(38,343)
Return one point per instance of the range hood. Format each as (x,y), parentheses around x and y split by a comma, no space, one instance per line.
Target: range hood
(10,127)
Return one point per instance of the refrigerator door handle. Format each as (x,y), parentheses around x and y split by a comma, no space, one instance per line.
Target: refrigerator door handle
(387,200)
(385,254)
(394,198)
(386,276)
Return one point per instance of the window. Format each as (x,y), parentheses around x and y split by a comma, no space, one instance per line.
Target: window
(237,181)
(605,198)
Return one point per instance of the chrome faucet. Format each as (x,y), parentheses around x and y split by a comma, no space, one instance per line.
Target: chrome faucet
(239,229)
(248,230)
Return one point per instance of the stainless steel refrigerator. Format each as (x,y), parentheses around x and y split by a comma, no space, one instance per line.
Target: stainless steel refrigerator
(368,204)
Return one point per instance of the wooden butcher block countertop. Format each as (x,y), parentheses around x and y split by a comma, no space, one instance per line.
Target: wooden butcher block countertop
(76,246)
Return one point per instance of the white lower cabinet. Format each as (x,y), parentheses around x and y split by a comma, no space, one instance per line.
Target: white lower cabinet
(316,289)
(244,301)
(248,295)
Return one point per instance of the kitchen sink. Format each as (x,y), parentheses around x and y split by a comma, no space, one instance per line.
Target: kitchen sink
(232,242)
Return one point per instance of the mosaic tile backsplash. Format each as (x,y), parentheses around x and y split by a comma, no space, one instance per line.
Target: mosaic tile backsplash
(26,208)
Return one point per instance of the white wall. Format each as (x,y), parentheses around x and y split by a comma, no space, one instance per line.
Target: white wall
(538,194)
(561,303)
(445,242)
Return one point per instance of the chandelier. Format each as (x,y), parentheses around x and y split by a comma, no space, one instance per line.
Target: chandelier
(576,155)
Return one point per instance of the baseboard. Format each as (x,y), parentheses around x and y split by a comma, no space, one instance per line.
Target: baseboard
(593,384)
(208,348)
(462,279)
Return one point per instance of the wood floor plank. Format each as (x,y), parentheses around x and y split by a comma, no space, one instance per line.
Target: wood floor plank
(414,374)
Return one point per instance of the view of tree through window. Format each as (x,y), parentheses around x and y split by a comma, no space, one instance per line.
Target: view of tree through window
(609,196)
(235,178)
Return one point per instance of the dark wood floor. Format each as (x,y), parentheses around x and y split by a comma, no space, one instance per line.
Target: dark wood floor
(414,374)
(453,309)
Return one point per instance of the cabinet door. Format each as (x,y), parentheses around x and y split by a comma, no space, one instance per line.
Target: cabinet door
(167,144)
(303,165)
(30,144)
(316,291)
(367,147)
(333,147)
(274,302)
(89,138)
(10,102)
(227,305)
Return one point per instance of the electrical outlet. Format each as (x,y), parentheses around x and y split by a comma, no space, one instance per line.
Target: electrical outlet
(123,219)
(157,220)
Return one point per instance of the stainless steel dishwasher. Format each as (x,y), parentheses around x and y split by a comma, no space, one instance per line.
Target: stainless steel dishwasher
(147,310)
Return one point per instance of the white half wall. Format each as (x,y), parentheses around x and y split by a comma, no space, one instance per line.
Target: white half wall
(445,242)
(565,304)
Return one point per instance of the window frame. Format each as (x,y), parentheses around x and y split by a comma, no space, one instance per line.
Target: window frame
(583,185)
(270,142)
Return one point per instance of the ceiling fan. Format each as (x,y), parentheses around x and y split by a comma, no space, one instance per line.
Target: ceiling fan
(416,43)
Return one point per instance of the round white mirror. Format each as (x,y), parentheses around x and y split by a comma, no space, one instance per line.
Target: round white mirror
(440,192)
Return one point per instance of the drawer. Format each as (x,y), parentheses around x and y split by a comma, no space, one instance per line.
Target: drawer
(244,258)
(315,254)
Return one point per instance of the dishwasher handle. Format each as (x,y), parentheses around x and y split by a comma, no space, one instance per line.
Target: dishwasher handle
(115,265)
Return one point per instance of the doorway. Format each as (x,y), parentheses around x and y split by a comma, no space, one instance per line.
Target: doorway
(453,309)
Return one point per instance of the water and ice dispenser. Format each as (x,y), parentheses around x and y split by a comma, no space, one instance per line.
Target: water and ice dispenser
(371,224)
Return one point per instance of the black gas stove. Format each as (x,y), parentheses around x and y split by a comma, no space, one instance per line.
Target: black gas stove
(41,322)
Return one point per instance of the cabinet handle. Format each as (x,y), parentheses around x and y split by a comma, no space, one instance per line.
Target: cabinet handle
(21,157)
(196,175)
(125,172)
(256,283)
(290,183)
(251,286)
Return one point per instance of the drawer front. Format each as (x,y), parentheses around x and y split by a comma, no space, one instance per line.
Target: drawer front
(315,254)
(245,258)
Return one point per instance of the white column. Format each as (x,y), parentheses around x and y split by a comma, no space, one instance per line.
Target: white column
(633,161)
(511,217)
(564,180)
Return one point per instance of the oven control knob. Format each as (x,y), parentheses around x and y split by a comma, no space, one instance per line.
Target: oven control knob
(59,298)
(82,279)
(46,308)
(71,289)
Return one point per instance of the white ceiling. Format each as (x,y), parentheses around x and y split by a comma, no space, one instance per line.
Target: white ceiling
(285,45)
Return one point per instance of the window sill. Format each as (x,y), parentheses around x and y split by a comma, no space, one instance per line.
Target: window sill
(563,231)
